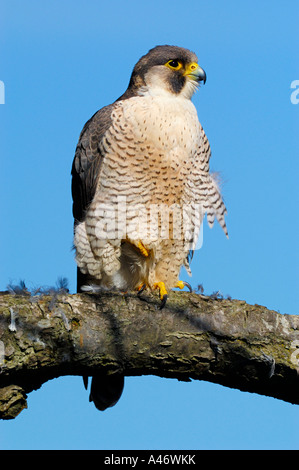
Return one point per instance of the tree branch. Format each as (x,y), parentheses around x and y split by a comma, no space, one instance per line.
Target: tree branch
(228,342)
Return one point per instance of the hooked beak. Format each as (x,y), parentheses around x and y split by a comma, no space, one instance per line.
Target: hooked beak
(195,72)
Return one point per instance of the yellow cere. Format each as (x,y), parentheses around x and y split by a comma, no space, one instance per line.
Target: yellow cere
(191,68)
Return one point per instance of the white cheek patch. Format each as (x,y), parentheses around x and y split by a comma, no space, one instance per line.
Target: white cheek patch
(157,84)
(189,89)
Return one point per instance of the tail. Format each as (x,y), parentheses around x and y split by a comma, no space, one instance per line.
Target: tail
(215,206)
(105,389)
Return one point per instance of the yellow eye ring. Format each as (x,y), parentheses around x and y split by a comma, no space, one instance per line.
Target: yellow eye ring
(174,64)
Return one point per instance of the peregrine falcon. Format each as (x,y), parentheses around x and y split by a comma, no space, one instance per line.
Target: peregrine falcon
(141,186)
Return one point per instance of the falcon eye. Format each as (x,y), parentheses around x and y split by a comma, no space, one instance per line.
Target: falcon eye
(174,64)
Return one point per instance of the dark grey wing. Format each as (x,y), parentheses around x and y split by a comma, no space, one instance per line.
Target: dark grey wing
(86,168)
(105,390)
(87,161)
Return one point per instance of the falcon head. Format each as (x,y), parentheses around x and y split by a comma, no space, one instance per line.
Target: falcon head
(166,70)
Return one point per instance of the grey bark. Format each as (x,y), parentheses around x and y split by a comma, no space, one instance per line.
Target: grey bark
(225,341)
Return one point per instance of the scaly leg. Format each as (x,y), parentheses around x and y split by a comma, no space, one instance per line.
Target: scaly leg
(142,249)
(182,284)
(163,293)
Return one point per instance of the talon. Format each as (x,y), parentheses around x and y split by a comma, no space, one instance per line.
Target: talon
(182,284)
(142,249)
(164,300)
(163,293)
(162,289)
(141,288)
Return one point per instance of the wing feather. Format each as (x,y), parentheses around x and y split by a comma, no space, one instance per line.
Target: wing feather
(86,168)
(87,161)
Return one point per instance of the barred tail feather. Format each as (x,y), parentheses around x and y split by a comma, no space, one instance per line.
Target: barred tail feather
(215,206)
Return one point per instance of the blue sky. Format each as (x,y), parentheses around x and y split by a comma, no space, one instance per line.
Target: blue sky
(63,60)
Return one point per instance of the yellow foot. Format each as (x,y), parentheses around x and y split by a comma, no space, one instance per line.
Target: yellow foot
(163,293)
(182,284)
(142,249)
